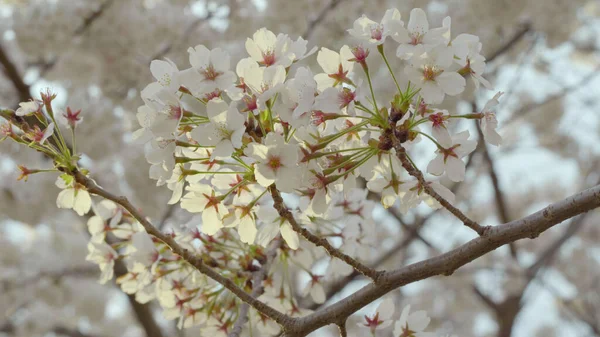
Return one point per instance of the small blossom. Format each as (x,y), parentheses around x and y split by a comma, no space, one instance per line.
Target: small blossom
(431,73)
(210,70)
(411,324)
(375,33)
(202,199)
(417,38)
(277,162)
(489,123)
(73,195)
(28,108)
(270,50)
(38,136)
(315,289)
(104,255)
(449,157)
(70,118)
(224,131)
(381,319)
(336,67)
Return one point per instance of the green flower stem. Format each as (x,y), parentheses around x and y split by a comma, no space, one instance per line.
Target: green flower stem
(380,49)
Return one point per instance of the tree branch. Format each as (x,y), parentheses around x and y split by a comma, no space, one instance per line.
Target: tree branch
(257,287)
(445,264)
(13,75)
(312,24)
(413,171)
(188,256)
(318,241)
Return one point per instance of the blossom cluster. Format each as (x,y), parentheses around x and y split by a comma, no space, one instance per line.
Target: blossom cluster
(226,141)
(221,139)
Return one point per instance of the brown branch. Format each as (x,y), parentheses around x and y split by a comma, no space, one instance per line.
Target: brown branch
(413,171)
(13,75)
(501,206)
(188,256)
(312,24)
(546,256)
(279,205)
(257,287)
(445,264)
(89,20)
(520,34)
(527,109)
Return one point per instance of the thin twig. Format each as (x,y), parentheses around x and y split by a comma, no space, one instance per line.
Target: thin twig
(188,256)
(312,24)
(413,171)
(257,287)
(279,205)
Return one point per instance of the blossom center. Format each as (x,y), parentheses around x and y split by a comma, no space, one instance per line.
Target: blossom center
(438,119)
(268,58)
(210,73)
(345,97)
(274,163)
(431,72)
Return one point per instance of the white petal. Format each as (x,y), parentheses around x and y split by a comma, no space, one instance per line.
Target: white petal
(289,235)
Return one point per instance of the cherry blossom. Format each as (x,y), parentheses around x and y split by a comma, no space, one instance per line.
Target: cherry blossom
(210,70)
(28,108)
(224,131)
(337,67)
(417,38)
(412,324)
(432,74)
(103,255)
(489,123)
(449,157)
(202,198)
(381,319)
(73,196)
(375,33)
(270,50)
(276,162)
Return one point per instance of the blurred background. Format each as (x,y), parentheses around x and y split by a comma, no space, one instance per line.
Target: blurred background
(96,53)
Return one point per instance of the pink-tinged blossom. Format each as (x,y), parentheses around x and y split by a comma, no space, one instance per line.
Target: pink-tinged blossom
(417,38)
(276,163)
(431,72)
(337,67)
(38,136)
(449,157)
(467,54)
(210,70)
(270,50)
(381,319)
(203,199)
(412,324)
(375,33)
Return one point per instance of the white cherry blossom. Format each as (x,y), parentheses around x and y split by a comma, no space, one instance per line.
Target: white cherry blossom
(449,157)
(224,131)
(417,38)
(375,33)
(489,123)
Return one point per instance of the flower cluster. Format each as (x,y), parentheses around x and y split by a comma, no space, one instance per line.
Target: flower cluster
(227,141)
(221,139)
